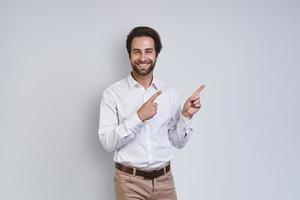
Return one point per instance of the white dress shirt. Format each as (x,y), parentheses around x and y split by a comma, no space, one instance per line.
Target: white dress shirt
(141,144)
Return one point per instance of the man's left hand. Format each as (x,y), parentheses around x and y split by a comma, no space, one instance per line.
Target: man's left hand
(192,104)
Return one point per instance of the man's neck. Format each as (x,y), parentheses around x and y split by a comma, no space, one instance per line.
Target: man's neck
(145,81)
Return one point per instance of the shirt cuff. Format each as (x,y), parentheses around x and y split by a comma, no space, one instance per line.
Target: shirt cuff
(185,119)
(187,124)
(133,123)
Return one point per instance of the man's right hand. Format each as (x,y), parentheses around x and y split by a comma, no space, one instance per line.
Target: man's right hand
(149,108)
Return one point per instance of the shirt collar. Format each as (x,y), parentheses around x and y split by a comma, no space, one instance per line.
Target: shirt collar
(133,83)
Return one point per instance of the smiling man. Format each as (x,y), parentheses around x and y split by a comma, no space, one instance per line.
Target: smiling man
(141,119)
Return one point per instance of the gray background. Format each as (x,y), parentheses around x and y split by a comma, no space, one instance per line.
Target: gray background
(57,57)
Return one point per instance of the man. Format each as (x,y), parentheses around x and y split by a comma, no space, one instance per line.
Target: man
(140,118)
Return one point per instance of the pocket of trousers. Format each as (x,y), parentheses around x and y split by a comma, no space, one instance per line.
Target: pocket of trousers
(168,176)
(122,176)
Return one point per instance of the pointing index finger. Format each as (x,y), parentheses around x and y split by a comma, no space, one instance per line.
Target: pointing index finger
(155,96)
(199,89)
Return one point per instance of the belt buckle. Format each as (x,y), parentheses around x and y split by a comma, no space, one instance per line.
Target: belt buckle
(149,174)
(153,174)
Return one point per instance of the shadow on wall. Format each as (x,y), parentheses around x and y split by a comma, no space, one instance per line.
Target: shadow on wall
(120,68)
(102,161)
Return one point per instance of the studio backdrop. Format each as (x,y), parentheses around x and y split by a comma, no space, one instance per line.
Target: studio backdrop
(58,56)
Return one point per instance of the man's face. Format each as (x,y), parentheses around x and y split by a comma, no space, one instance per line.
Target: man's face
(142,55)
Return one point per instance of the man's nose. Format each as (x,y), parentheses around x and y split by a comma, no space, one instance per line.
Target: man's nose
(143,57)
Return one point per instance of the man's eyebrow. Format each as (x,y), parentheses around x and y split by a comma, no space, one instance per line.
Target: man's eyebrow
(135,50)
(150,49)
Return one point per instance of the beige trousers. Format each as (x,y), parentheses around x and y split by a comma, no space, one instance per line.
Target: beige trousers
(129,187)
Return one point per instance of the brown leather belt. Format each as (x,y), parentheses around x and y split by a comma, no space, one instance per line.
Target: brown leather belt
(146,174)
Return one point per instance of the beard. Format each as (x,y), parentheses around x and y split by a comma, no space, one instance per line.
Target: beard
(143,71)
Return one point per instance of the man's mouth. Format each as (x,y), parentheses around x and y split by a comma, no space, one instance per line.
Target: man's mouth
(143,64)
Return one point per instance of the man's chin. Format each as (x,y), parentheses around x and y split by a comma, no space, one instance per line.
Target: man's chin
(143,73)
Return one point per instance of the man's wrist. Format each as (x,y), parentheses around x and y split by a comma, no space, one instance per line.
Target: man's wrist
(185,114)
(140,116)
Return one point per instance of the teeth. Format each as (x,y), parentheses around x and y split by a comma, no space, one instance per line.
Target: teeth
(143,65)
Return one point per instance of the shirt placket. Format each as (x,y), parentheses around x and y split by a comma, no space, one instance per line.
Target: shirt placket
(148,131)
